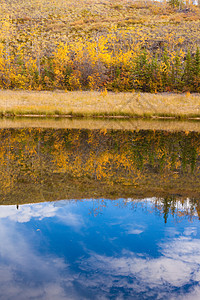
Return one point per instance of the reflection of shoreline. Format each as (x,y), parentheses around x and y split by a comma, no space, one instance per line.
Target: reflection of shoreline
(60,187)
(96,124)
(47,164)
(164,206)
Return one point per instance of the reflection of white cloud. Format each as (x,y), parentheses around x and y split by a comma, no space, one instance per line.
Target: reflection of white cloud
(51,277)
(40,211)
(133,228)
(178,265)
(135,231)
(20,264)
(27,211)
(70,219)
(190,231)
(183,249)
(171,232)
(151,273)
(25,274)
(193,295)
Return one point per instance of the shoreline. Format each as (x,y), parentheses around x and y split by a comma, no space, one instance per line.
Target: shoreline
(93,104)
(48,116)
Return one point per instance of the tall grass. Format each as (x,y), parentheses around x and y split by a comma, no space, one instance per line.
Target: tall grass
(96,104)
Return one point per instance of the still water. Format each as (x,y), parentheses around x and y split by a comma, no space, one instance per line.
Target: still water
(126,225)
(99,249)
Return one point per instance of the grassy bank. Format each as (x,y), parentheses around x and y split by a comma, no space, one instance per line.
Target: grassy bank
(99,104)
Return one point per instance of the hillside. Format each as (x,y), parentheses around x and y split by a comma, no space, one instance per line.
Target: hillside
(96,42)
(49,22)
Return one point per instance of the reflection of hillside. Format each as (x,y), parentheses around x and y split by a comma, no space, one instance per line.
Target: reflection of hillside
(48,164)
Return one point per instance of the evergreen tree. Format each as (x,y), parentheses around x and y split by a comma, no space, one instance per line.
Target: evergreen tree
(142,72)
(155,75)
(188,71)
(196,70)
(197,63)
(177,73)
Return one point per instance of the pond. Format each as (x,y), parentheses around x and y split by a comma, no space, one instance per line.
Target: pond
(99,213)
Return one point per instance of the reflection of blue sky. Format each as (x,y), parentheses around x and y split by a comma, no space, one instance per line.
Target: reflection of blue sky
(60,251)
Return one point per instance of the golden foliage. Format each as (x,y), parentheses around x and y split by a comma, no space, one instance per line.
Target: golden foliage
(94,45)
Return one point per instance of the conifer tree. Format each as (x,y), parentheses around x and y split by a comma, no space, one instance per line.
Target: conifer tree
(196,70)
(177,73)
(197,63)
(188,71)
(141,72)
(165,69)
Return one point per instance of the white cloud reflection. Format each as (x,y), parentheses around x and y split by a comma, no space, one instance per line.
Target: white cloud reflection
(134,228)
(27,211)
(135,231)
(178,266)
(40,211)
(27,274)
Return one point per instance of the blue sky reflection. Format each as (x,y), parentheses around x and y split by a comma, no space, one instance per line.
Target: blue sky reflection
(61,250)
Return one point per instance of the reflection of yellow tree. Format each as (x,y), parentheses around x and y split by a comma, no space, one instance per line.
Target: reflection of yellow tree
(146,159)
(7,177)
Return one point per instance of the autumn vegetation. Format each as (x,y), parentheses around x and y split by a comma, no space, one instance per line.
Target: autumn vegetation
(100,45)
(50,164)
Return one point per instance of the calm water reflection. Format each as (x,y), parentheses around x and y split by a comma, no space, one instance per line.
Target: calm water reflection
(99,249)
(139,239)
(50,164)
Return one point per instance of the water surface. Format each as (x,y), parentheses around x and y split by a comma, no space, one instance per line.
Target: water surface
(99,249)
(127,223)
(40,164)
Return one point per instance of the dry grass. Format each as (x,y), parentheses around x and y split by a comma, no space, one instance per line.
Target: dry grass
(91,104)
